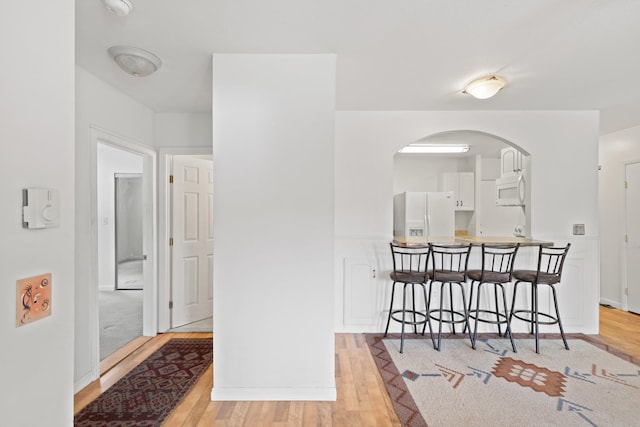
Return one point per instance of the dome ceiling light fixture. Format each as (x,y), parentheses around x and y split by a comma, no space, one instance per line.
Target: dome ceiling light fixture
(119,7)
(485,87)
(135,61)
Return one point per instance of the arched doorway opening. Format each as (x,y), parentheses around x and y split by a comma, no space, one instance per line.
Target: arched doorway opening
(474,175)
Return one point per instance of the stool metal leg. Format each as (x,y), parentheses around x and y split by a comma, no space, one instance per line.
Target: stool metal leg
(537,317)
(506,316)
(440,320)
(555,303)
(404,313)
(475,316)
(413,307)
(453,325)
(466,312)
(393,292)
(513,301)
(429,317)
(495,298)
(470,303)
(533,308)
(426,304)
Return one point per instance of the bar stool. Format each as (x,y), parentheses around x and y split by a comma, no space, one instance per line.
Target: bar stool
(496,270)
(449,266)
(410,269)
(549,272)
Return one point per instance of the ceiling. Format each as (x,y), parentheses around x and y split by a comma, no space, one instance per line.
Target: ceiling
(391,55)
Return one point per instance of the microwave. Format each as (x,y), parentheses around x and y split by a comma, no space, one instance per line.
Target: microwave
(511,191)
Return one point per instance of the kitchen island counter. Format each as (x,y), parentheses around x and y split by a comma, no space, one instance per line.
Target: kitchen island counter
(473,240)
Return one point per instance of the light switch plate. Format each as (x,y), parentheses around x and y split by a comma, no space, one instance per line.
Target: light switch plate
(578,229)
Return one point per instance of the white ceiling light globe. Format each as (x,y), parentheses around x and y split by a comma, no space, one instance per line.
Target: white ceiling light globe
(119,7)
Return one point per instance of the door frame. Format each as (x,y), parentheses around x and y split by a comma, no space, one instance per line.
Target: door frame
(165,156)
(150,295)
(624,283)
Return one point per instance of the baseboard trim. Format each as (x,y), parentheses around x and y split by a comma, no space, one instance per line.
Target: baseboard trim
(273,394)
(83,382)
(612,303)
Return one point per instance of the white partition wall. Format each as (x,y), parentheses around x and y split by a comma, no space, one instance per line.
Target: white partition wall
(36,134)
(273,146)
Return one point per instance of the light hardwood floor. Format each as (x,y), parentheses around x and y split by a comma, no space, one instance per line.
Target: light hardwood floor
(362,397)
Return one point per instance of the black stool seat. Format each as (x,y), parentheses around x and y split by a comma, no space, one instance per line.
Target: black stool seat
(447,276)
(407,277)
(532,276)
(489,276)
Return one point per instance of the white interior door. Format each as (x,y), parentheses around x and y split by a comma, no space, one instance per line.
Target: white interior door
(633,236)
(192,233)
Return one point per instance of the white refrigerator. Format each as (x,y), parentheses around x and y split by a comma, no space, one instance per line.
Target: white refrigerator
(418,215)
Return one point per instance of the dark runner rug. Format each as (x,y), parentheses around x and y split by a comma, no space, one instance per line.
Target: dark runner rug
(590,385)
(149,392)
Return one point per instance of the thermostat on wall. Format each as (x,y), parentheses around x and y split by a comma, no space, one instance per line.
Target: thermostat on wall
(40,208)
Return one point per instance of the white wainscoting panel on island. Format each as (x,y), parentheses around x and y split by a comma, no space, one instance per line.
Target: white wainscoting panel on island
(363,286)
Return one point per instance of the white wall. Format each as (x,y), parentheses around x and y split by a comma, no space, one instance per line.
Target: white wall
(100,105)
(36,130)
(183,130)
(274,218)
(616,150)
(110,161)
(421,173)
(367,141)
(490,168)
(563,191)
(494,220)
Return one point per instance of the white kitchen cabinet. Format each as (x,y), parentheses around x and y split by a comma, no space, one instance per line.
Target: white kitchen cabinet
(361,302)
(463,186)
(511,162)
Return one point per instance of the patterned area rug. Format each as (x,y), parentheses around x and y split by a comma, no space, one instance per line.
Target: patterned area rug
(585,386)
(149,392)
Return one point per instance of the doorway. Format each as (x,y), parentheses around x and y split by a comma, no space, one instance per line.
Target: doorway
(632,237)
(203,321)
(192,240)
(123,182)
(120,242)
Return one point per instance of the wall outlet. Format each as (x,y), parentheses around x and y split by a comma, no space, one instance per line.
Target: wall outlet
(578,229)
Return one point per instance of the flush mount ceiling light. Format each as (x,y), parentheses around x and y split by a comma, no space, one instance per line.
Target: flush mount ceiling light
(485,87)
(434,149)
(135,61)
(119,7)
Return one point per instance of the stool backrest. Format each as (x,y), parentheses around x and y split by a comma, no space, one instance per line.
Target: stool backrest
(410,259)
(551,260)
(450,258)
(499,258)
